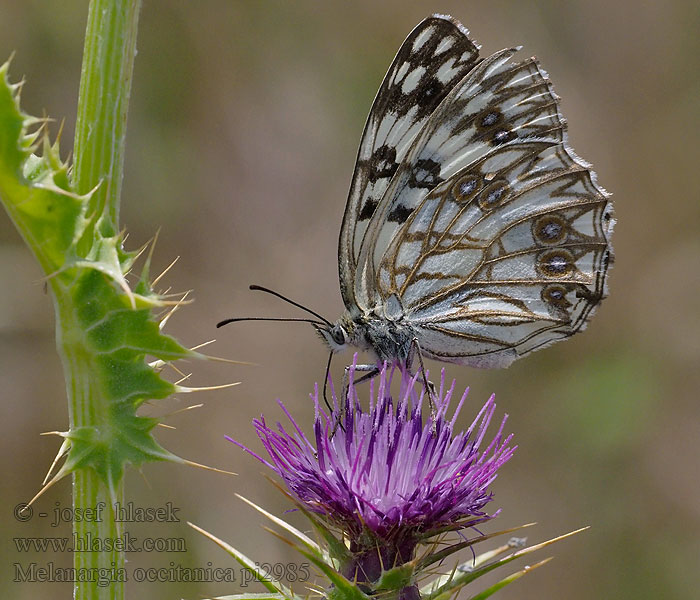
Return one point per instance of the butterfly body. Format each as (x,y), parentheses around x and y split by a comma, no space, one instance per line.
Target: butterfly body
(390,338)
(472,233)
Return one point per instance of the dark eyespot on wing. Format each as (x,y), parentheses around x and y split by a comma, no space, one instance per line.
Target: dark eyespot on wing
(554,294)
(494,195)
(466,188)
(550,229)
(491,125)
(555,263)
(427,95)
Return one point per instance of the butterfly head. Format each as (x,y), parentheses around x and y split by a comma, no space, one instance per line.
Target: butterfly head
(337,336)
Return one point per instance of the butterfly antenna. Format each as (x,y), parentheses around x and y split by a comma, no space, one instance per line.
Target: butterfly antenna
(259,288)
(227,321)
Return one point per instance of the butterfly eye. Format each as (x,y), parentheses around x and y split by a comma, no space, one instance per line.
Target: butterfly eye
(339,336)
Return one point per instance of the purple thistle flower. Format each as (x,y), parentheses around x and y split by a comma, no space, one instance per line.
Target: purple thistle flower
(385,470)
(385,478)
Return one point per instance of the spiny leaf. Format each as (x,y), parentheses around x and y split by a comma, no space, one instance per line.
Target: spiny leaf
(434,557)
(507,580)
(267,580)
(48,215)
(466,573)
(105,331)
(306,540)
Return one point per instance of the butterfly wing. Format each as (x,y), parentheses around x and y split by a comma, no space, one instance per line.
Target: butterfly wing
(492,234)
(432,60)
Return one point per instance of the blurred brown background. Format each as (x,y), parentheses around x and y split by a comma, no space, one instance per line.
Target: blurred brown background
(243,130)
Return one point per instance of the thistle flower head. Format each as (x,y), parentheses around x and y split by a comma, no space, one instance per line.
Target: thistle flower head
(386,475)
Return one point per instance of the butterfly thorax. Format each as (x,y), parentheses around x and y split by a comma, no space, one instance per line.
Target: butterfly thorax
(389,340)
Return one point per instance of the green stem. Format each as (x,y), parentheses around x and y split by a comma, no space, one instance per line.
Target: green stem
(88,407)
(105,87)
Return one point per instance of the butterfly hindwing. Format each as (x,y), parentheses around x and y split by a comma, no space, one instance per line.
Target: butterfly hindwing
(487,295)
(435,56)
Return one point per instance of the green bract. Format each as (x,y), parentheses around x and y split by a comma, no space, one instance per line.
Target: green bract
(328,555)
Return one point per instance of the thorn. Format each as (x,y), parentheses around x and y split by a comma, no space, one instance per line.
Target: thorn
(145,479)
(169,314)
(183,379)
(178,411)
(127,290)
(198,346)
(152,244)
(205,467)
(60,131)
(55,479)
(61,451)
(231,361)
(170,266)
(220,359)
(187,390)
(160,302)
(175,294)
(174,368)
(166,426)
(181,410)
(45,279)
(548,542)
(159,364)
(139,252)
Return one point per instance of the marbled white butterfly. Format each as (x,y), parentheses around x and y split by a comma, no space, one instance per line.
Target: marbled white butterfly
(472,233)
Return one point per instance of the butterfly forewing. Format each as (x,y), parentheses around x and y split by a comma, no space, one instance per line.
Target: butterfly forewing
(432,60)
(496,104)
(492,235)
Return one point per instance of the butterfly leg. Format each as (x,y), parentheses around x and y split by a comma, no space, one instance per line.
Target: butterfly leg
(428,385)
(325,383)
(370,371)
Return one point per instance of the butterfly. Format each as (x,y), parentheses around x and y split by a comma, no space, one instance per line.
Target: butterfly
(472,233)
